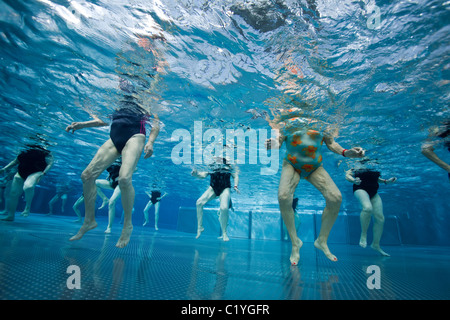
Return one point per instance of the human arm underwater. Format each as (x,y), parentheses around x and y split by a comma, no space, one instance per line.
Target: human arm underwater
(428,151)
(350,177)
(201,174)
(148,149)
(387,181)
(97,122)
(9,165)
(355,152)
(165,194)
(49,160)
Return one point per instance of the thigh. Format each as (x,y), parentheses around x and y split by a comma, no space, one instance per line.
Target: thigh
(115,195)
(103,183)
(207,196)
(79,201)
(363,198)
(289,180)
(322,181)
(149,205)
(104,157)
(33,179)
(377,205)
(225,198)
(131,154)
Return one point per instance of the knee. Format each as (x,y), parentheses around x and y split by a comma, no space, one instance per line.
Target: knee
(87,176)
(28,186)
(379,218)
(223,207)
(125,182)
(367,208)
(200,203)
(334,199)
(285,198)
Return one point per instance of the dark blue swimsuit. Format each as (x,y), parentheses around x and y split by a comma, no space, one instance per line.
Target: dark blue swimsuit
(127,121)
(32,161)
(369,181)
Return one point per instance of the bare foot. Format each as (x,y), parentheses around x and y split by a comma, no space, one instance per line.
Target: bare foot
(363,242)
(104,203)
(378,248)
(324,248)
(7,218)
(84,228)
(295,253)
(108,230)
(199,232)
(224,237)
(124,237)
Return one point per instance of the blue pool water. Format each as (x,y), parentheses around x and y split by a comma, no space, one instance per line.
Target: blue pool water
(378,72)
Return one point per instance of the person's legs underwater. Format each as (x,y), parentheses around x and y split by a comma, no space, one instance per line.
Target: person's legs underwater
(333,198)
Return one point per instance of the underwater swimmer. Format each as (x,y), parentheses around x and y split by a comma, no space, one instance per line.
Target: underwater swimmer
(220,186)
(365,188)
(130,118)
(33,163)
(155,196)
(304,160)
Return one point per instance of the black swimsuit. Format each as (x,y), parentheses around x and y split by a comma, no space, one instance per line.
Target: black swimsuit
(369,181)
(220,181)
(32,161)
(155,195)
(127,121)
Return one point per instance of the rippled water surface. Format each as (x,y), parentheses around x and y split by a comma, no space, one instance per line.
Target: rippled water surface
(380,79)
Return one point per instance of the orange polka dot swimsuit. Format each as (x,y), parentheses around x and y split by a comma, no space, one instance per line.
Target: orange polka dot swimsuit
(303,151)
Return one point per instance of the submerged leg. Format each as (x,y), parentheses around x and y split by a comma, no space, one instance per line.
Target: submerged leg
(378,224)
(365,216)
(130,157)
(28,188)
(75,208)
(157,205)
(146,210)
(288,182)
(333,198)
(13,197)
(223,217)
(205,197)
(112,208)
(103,158)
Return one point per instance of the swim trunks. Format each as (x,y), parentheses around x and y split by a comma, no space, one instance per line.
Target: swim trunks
(127,121)
(369,181)
(32,161)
